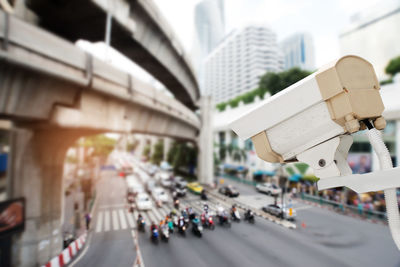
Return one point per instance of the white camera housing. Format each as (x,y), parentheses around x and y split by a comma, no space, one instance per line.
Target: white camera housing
(329,103)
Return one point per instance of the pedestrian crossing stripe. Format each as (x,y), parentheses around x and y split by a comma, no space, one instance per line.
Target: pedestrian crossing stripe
(107,221)
(122,219)
(116,218)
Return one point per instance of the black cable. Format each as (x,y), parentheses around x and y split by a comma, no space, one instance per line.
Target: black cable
(368,124)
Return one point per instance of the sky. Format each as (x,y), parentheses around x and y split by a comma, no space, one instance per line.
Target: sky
(323,19)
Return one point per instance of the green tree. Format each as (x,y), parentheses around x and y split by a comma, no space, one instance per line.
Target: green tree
(158,153)
(393,67)
(182,155)
(146,151)
(131,146)
(276,82)
(101,144)
(221,106)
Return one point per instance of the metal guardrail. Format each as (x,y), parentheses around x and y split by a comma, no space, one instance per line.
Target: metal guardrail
(344,208)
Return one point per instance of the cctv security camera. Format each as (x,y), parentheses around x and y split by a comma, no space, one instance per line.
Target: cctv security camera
(311,121)
(332,102)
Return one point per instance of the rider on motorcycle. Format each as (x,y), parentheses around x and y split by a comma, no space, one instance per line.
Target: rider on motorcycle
(153,226)
(205,207)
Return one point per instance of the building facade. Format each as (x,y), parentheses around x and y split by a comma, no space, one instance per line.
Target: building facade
(374,35)
(209,31)
(298,51)
(235,66)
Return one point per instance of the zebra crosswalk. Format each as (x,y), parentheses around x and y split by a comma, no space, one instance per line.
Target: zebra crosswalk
(117,218)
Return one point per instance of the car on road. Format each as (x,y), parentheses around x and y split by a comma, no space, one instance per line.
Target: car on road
(277,210)
(269,189)
(164,178)
(150,185)
(159,194)
(143,202)
(178,180)
(195,187)
(229,191)
(179,189)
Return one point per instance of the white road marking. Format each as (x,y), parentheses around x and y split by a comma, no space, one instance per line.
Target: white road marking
(107,221)
(157,214)
(303,208)
(99,221)
(130,219)
(151,217)
(122,219)
(115,220)
(135,215)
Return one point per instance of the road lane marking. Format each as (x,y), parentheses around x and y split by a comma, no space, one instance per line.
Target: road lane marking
(130,219)
(122,219)
(157,214)
(99,221)
(135,215)
(303,208)
(163,212)
(107,221)
(115,220)
(113,206)
(152,218)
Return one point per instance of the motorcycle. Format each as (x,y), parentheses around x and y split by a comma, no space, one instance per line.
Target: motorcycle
(176,204)
(235,216)
(207,222)
(154,236)
(249,216)
(182,229)
(141,225)
(197,229)
(203,195)
(224,220)
(165,234)
(171,227)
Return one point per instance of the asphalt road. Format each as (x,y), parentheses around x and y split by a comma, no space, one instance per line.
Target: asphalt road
(109,244)
(329,239)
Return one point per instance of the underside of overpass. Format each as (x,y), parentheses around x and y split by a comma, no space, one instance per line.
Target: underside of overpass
(138,31)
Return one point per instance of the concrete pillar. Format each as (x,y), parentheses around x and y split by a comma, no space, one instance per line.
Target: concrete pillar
(142,144)
(167,147)
(36,168)
(205,144)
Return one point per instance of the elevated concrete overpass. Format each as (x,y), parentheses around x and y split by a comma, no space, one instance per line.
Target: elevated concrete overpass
(138,30)
(55,93)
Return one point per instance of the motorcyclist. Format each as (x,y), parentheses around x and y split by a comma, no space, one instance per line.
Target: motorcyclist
(203,195)
(192,214)
(181,222)
(205,207)
(153,226)
(248,213)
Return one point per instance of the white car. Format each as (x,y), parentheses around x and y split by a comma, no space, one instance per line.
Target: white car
(143,202)
(160,194)
(269,189)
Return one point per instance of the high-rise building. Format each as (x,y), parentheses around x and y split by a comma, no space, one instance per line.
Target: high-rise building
(236,64)
(209,31)
(298,51)
(374,35)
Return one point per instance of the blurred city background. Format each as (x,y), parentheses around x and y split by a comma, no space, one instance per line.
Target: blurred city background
(107,103)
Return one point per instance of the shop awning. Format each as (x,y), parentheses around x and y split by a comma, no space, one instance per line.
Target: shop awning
(295,177)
